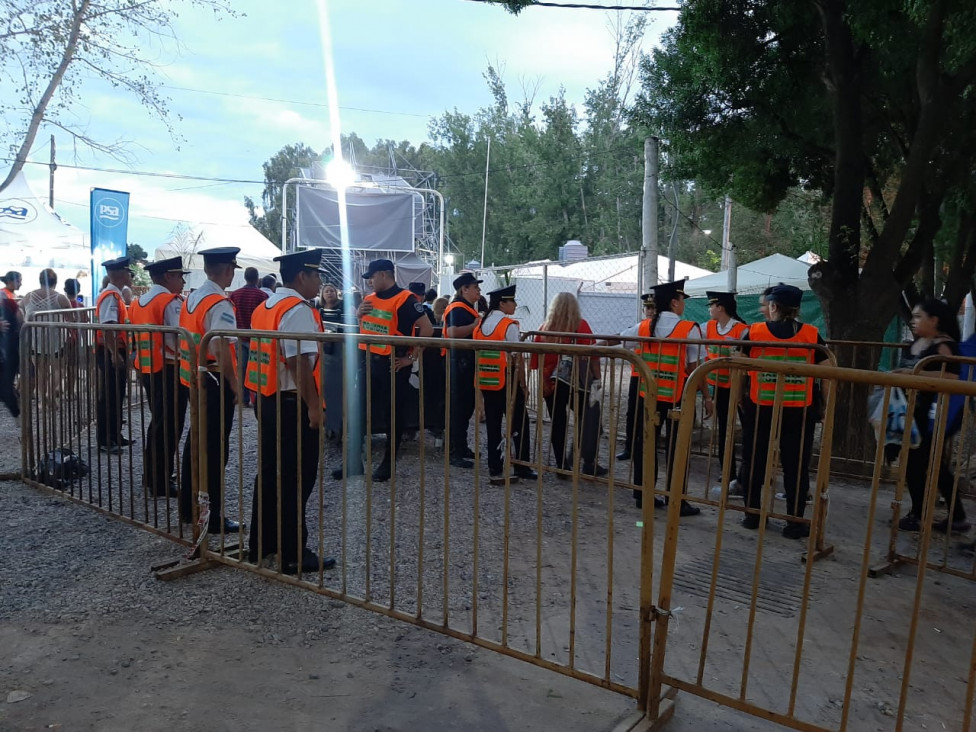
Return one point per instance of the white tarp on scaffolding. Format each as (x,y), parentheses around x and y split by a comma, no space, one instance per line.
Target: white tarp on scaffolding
(33,237)
(376,220)
(608,274)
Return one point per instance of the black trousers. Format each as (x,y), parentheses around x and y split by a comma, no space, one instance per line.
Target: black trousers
(345,398)
(462,400)
(167,399)
(8,372)
(633,396)
(496,408)
(433,394)
(111,393)
(722,413)
(389,406)
(292,479)
(670,429)
(214,442)
(917,472)
(586,433)
(795,448)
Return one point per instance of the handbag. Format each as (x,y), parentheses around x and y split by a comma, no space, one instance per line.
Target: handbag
(565,373)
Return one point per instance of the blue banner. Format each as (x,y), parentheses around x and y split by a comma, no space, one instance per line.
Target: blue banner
(109,231)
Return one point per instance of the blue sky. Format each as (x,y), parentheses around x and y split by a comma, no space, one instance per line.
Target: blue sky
(244,87)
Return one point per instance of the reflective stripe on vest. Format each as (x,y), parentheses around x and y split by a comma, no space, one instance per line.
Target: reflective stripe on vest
(382,320)
(457,305)
(491,365)
(721,377)
(194,323)
(120,337)
(797,390)
(265,353)
(149,346)
(667,361)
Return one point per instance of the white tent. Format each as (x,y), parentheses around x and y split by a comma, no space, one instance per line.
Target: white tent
(607,274)
(754,277)
(33,237)
(256,250)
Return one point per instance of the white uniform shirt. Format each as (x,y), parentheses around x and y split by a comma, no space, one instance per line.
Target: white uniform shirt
(108,311)
(171,317)
(665,324)
(491,322)
(219,317)
(298,319)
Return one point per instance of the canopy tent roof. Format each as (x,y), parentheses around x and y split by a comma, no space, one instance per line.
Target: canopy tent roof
(614,274)
(754,277)
(256,250)
(33,237)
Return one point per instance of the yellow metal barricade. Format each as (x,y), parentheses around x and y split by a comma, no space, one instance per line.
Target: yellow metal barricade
(740,623)
(84,419)
(532,558)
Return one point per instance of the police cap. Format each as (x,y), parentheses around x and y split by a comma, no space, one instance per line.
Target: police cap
(725,299)
(418,288)
(116,264)
(786,295)
(668,291)
(502,294)
(307,260)
(465,278)
(162,266)
(221,255)
(378,265)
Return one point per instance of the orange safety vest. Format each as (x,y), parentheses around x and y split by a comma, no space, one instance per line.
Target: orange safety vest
(459,305)
(721,378)
(382,320)
(149,346)
(262,365)
(120,337)
(667,361)
(492,365)
(194,323)
(797,390)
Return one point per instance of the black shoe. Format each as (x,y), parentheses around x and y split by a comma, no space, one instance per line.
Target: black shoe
(623,455)
(499,478)
(123,442)
(468,453)
(382,472)
(750,521)
(111,449)
(170,491)
(229,526)
(460,462)
(310,563)
(597,471)
(688,509)
(959,526)
(660,502)
(527,473)
(639,499)
(796,530)
(338,473)
(909,522)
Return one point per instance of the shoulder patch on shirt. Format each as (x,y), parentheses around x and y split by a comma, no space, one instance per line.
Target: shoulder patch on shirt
(228,318)
(419,306)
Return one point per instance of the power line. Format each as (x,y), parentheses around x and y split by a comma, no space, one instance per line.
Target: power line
(692,222)
(143,173)
(586,6)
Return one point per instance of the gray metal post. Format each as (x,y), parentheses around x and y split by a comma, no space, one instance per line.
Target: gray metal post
(673,240)
(649,217)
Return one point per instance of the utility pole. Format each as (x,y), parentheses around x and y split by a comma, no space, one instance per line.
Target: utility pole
(726,227)
(53,167)
(673,240)
(649,217)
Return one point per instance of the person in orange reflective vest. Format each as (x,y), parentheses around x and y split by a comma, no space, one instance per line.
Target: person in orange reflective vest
(670,361)
(501,380)
(724,324)
(287,378)
(799,415)
(389,311)
(461,317)
(111,358)
(157,360)
(208,308)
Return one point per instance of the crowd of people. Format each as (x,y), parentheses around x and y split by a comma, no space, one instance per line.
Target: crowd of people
(281,380)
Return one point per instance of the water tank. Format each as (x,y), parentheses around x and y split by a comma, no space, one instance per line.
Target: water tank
(573,251)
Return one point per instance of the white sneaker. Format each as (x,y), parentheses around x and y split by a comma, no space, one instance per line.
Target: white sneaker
(716,491)
(736,488)
(780,496)
(438,442)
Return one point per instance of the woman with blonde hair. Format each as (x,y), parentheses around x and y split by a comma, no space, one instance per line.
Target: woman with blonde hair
(566,384)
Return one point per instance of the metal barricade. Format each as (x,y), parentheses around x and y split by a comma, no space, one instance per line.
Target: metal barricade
(85,415)
(531,558)
(739,623)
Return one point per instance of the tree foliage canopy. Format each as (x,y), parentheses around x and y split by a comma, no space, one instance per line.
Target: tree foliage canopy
(869,103)
(50,48)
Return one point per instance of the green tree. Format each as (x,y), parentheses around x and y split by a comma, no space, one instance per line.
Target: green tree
(283,165)
(870,103)
(48,48)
